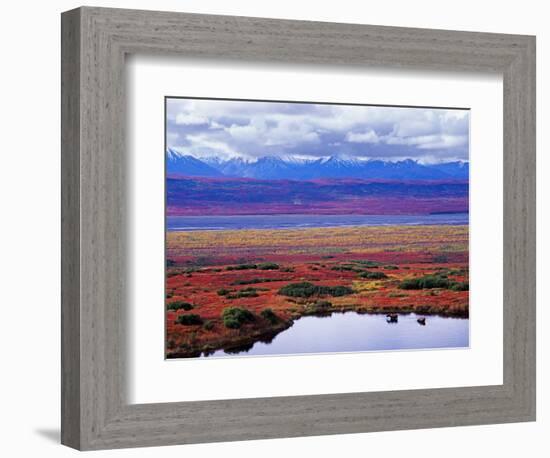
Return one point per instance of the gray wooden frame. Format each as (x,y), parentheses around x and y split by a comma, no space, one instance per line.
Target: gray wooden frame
(95,413)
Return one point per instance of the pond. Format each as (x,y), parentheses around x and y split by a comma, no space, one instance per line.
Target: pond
(350,331)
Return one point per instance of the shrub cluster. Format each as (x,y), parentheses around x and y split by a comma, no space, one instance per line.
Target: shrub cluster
(306,289)
(189,319)
(242,267)
(433,281)
(460,286)
(269,315)
(208,325)
(425,282)
(235,317)
(373,275)
(246,292)
(268,266)
(346,268)
(261,266)
(367,263)
(179,305)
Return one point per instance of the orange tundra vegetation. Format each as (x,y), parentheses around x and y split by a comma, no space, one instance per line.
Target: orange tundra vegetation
(228,289)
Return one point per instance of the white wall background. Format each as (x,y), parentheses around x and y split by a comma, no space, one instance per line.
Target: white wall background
(29,239)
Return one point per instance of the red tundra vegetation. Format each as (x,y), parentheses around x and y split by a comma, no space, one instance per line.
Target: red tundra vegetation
(228,289)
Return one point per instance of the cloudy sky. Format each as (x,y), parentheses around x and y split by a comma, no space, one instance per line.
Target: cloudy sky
(228,129)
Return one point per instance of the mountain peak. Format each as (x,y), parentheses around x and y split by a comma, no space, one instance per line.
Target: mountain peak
(182,164)
(172,153)
(334,166)
(270,160)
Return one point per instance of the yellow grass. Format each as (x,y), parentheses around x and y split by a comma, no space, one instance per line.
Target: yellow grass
(361,239)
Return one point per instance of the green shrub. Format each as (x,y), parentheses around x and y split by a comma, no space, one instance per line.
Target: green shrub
(179,305)
(346,268)
(231,323)
(306,289)
(434,281)
(391,267)
(425,282)
(269,315)
(460,286)
(246,292)
(373,275)
(303,289)
(189,319)
(336,291)
(223,292)
(208,325)
(268,266)
(235,317)
(242,267)
(367,263)
(458,271)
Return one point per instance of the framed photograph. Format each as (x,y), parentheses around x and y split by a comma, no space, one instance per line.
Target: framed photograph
(280,228)
(275,248)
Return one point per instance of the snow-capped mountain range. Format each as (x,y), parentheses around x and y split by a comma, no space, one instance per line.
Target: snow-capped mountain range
(277,168)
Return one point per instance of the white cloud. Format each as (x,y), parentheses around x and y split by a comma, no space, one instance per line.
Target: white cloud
(291,133)
(189,119)
(266,132)
(430,141)
(202,145)
(415,127)
(252,129)
(444,142)
(369,136)
(247,133)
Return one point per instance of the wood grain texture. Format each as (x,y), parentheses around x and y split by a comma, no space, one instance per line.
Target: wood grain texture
(70,229)
(96,414)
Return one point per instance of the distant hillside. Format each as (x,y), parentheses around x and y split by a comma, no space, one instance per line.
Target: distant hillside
(238,196)
(275,168)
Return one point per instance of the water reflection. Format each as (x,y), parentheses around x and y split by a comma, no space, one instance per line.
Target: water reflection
(348,332)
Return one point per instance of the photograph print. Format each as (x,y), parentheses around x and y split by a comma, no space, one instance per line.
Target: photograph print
(301,228)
